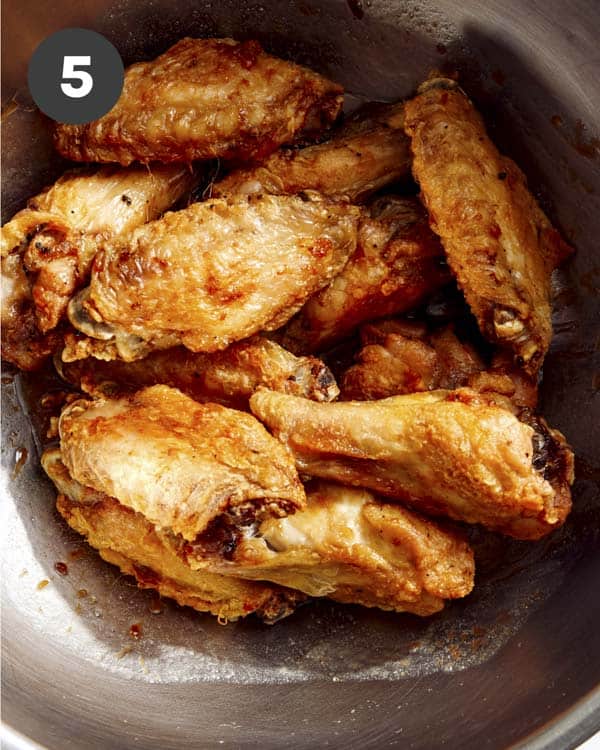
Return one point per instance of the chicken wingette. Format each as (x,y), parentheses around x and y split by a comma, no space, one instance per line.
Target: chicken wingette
(229,377)
(350,546)
(411,359)
(49,246)
(205,99)
(369,151)
(211,462)
(128,540)
(499,243)
(211,274)
(456,453)
(397,264)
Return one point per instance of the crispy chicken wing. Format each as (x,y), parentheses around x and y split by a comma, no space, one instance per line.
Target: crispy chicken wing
(370,150)
(398,262)
(351,547)
(499,243)
(209,461)
(229,377)
(408,360)
(205,99)
(455,453)
(127,539)
(213,273)
(48,247)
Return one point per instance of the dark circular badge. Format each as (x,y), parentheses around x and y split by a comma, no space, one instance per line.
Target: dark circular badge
(75,76)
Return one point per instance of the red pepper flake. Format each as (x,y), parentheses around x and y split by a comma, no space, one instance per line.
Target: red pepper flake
(61,568)
(135,631)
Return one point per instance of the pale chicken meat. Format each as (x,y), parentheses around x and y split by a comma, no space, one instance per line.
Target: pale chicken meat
(209,461)
(499,243)
(409,359)
(211,274)
(48,247)
(350,546)
(229,377)
(455,453)
(205,99)
(398,263)
(128,540)
(369,151)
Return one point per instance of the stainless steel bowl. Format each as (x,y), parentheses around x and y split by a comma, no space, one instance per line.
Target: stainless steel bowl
(518,662)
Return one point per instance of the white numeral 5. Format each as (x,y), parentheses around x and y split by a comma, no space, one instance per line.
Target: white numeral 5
(86,82)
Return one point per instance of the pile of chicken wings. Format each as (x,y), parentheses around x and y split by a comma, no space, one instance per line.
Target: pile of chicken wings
(194,282)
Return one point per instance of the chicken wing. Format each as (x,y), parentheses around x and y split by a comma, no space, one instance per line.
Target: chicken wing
(209,461)
(213,273)
(48,247)
(351,547)
(229,377)
(455,453)
(397,264)
(205,99)
(408,361)
(369,151)
(127,539)
(499,243)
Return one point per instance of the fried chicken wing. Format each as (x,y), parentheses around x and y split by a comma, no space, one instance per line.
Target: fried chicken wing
(128,540)
(213,273)
(48,247)
(410,359)
(369,151)
(499,243)
(348,545)
(205,99)
(391,364)
(209,461)
(229,377)
(398,262)
(455,453)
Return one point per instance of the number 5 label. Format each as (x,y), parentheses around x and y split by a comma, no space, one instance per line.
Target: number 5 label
(75,76)
(69,71)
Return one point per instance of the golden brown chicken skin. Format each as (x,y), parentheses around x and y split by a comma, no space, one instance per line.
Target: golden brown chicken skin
(455,453)
(129,541)
(180,463)
(213,273)
(48,247)
(394,363)
(397,264)
(229,377)
(352,547)
(205,99)
(369,151)
(499,243)
(411,359)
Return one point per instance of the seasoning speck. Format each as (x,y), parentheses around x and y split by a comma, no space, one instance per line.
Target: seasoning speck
(61,568)
(124,651)
(42,584)
(135,631)
(82,593)
(20,458)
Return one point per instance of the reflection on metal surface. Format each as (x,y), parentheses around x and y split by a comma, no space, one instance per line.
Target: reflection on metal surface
(516,654)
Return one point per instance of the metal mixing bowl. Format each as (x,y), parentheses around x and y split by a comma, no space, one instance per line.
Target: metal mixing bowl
(518,662)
